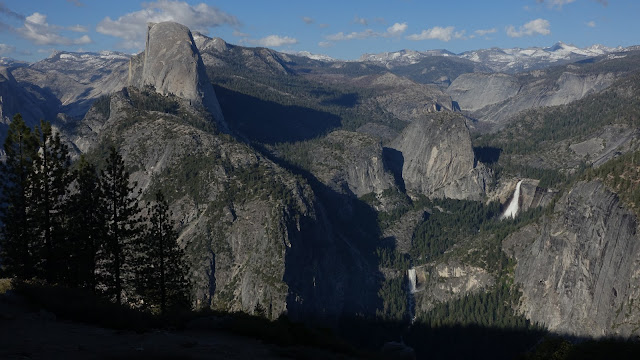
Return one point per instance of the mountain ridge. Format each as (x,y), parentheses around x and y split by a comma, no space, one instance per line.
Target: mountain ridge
(498,59)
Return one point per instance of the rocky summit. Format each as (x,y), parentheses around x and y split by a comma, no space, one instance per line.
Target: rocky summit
(171,64)
(438,160)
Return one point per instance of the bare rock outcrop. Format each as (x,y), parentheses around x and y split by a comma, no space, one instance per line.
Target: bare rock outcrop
(495,98)
(171,64)
(16,99)
(438,159)
(440,283)
(474,91)
(352,163)
(579,269)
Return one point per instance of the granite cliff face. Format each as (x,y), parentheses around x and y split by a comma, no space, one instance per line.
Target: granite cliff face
(579,269)
(351,163)
(15,99)
(438,160)
(439,283)
(474,91)
(171,64)
(494,98)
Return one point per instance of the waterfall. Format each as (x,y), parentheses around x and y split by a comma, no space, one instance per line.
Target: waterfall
(411,301)
(512,209)
(411,273)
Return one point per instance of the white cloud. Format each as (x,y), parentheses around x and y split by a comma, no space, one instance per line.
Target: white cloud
(603,2)
(438,33)
(131,27)
(78,28)
(483,32)
(6,49)
(555,3)
(274,41)
(361,21)
(239,34)
(76,2)
(37,30)
(323,26)
(591,24)
(397,29)
(84,39)
(325,44)
(351,36)
(533,27)
(394,30)
(307,20)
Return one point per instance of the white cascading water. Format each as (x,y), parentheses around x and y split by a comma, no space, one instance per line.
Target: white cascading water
(512,209)
(411,273)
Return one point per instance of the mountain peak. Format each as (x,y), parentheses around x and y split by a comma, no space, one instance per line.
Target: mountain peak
(171,63)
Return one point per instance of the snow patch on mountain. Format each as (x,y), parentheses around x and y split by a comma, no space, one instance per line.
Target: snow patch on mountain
(319,57)
(402,57)
(500,60)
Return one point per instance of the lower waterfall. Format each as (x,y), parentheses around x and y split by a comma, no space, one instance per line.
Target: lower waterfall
(411,301)
(411,274)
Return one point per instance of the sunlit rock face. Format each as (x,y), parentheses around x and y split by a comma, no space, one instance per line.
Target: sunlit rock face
(579,268)
(438,159)
(171,63)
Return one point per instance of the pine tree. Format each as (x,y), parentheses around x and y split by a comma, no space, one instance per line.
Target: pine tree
(165,273)
(123,224)
(16,212)
(87,224)
(51,185)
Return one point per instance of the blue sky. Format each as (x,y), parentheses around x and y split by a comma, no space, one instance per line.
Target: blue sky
(344,29)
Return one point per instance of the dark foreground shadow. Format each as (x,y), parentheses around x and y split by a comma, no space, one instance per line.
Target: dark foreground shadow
(354,337)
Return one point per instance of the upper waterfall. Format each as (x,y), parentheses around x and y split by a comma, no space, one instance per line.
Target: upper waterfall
(512,209)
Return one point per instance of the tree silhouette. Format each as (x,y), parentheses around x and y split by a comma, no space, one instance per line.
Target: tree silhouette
(16,212)
(123,224)
(87,224)
(52,177)
(165,274)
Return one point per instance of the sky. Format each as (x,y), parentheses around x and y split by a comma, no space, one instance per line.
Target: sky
(344,29)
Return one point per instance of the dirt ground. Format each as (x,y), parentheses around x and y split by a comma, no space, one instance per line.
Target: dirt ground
(28,333)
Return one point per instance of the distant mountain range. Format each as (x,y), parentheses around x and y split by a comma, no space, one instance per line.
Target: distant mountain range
(500,60)
(495,59)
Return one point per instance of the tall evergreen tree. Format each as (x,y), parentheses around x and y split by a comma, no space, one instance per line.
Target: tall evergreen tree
(87,224)
(123,224)
(165,271)
(16,189)
(51,185)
